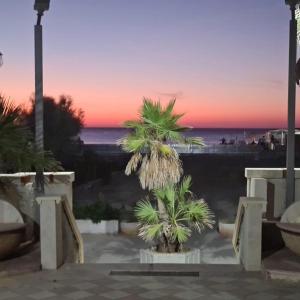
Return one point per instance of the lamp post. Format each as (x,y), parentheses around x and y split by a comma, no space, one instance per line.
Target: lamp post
(40,6)
(290,156)
(1,59)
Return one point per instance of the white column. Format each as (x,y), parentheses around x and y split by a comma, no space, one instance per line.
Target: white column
(51,231)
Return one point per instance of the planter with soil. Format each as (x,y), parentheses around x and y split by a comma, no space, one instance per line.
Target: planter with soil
(226,228)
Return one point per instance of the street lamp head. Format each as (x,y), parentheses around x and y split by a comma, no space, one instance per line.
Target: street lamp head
(41,5)
(1,59)
(292,2)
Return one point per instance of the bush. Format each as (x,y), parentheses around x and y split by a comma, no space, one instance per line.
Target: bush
(96,212)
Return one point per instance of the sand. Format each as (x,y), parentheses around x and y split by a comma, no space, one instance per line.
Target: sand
(218,178)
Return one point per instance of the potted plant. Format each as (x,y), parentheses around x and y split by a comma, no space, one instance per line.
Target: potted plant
(169,223)
(96,218)
(171,227)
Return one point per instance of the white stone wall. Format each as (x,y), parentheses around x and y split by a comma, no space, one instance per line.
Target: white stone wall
(257,182)
(247,238)
(9,214)
(19,191)
(105,227)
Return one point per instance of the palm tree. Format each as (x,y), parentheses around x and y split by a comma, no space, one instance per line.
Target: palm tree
(171,227)
(150,139)
(17,150)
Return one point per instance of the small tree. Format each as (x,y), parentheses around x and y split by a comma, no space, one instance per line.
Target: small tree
(171,226)
(170,222)
(150,139)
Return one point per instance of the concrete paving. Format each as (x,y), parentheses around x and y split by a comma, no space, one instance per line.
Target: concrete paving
(283,264)
(108,249)
(94,281)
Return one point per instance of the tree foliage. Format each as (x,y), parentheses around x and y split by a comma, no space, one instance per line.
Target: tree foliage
(17,150)
(150,141)
(62,125)
(171,225)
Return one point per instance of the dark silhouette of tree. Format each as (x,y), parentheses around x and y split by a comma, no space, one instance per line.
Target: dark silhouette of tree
(62,126)
(17,149)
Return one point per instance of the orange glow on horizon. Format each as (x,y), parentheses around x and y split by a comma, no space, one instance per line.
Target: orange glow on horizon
(201,114)
(224,107)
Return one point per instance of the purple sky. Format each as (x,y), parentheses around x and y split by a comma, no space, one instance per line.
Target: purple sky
(225,61)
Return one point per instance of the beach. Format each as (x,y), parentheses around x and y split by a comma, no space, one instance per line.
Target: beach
(217,177)
(217,169)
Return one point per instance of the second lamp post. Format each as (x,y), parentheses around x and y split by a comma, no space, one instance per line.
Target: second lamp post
(40,6)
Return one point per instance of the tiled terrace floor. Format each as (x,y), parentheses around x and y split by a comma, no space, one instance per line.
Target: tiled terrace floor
(121,248)
(91,281)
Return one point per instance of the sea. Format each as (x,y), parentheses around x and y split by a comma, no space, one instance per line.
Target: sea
(211,136)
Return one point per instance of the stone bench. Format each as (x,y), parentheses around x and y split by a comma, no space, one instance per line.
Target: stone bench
(11,235)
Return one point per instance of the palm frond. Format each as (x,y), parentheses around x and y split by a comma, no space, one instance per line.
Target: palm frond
(180,233)
(150,232)
(17,151)
(132,124)
(133,163)
(175,217)
(184,188)
(133,144)
(151,136)
(199,215)
(146,213)
(194,141)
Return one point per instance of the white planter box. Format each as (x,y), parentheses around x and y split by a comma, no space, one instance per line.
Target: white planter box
(151,257)
(130,228)
(226,230)
(106,227)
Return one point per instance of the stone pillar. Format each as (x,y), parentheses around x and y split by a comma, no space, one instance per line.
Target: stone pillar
(251,233)
(51,231)
(258,188)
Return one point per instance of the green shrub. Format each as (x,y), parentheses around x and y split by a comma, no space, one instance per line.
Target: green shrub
(96,212)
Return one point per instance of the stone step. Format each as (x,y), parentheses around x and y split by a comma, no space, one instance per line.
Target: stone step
(191,270)
(282,265)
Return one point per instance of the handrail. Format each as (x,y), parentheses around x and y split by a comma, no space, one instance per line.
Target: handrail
(237,226)
(71,219)
(243,203)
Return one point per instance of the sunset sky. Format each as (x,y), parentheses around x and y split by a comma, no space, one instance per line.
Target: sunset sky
(225,61)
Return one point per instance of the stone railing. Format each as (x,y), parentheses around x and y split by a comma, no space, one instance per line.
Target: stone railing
(266,192)
(247,238)
(60,239)
(18,190)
